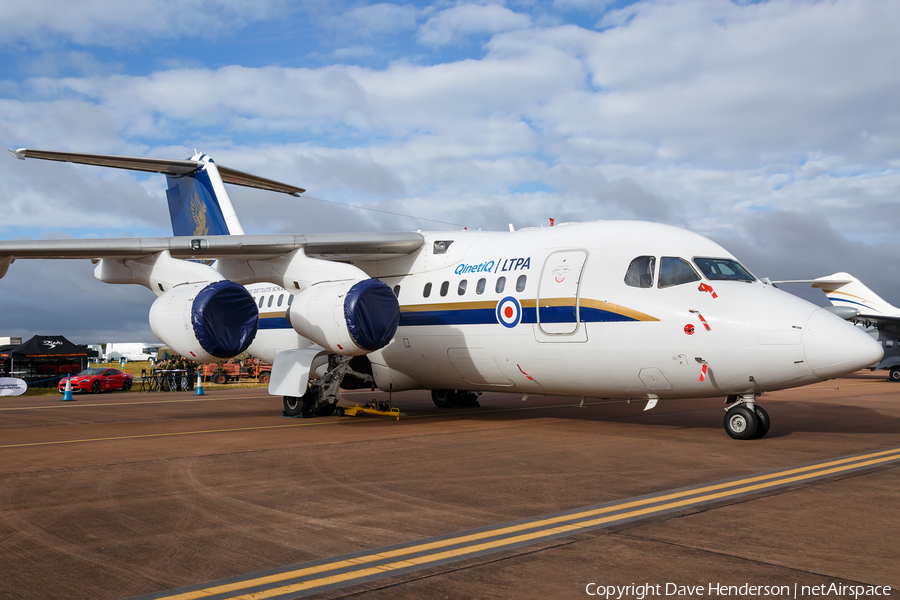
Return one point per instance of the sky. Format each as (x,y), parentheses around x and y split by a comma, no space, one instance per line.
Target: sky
(771,127)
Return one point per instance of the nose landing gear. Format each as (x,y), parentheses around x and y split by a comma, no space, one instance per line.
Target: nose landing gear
(744,419)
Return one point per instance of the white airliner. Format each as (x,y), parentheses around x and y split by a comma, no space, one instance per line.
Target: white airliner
(854,301)
(605,309)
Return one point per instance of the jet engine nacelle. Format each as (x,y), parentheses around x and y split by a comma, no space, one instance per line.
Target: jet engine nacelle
(346,317)
(206,321)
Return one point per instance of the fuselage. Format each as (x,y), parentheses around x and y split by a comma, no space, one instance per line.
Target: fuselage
(602,309)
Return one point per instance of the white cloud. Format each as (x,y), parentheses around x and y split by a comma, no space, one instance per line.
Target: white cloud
(458,22)
(379,19)
(113,23)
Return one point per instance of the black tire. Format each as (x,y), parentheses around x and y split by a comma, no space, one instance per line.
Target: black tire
(763,427)
(326,410)
(95,387)
(340,411)
(445,398)
(264,377)
(741,423)
(894,374)
(220,378)
(126,386)
(293,406)
(469,400)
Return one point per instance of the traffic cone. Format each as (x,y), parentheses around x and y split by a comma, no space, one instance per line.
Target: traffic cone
(67,394)
(199,385)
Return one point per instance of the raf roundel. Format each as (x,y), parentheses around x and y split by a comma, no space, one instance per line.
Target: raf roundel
(509,312)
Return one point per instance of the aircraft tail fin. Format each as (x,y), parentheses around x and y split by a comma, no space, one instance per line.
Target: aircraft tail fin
(843,289)
(198,202)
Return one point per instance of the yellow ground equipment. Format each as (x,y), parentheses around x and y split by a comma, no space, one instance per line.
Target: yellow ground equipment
(372,408)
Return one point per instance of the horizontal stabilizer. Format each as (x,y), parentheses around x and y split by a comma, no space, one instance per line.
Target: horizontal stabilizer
(166,166)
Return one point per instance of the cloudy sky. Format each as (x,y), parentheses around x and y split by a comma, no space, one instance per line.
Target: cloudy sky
(771,127)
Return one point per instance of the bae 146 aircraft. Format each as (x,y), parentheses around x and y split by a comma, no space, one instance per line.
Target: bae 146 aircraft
(604,309)
(853,300)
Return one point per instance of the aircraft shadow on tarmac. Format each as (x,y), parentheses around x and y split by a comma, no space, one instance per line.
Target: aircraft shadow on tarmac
(788,416)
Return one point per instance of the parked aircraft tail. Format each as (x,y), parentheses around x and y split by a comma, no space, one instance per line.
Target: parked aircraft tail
(198,202)
(845,290)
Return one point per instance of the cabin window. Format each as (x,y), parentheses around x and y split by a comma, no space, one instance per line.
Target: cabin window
(723,269)
(397,290)
(290,299)
(462,287)
(479,288)
(261,300)
(640,272)
(501,285)
(520,283)
(445,287)
(427,291)
(271,299)
(280,299)
(675,271)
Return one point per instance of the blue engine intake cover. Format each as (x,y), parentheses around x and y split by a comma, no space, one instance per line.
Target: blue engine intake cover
(225,318)
(372,313)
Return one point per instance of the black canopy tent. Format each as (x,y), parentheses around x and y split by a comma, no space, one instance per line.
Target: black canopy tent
(44,359)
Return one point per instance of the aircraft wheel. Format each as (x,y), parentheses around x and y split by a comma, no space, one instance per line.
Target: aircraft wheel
(445,398)
(469,400)
(293,405)
(741,423)
(894,374)
(325,410)
(763,428)
(95,387)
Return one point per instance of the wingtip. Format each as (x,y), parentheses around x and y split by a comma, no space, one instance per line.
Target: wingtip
(20,153)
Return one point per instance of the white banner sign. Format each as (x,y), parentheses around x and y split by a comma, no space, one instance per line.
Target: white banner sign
(10,386)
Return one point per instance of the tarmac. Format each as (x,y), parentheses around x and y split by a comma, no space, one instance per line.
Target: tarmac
(173,495)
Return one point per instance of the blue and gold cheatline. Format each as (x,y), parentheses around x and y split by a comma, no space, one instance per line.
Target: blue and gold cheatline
(553,310)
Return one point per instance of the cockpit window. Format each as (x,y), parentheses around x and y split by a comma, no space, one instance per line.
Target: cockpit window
(640,272)
(675,271)
(723,268)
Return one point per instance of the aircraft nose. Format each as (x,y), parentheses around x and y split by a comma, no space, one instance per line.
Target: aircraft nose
(834,347)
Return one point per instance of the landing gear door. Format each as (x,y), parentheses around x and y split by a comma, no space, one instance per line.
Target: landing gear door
(559,288)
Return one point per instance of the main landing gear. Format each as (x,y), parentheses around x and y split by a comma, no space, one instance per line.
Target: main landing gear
(454,398)
(744,419)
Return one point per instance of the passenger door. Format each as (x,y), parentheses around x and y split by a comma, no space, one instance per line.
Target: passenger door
(558,298)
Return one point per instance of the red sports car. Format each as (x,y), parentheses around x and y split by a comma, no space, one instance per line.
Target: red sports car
(98,380)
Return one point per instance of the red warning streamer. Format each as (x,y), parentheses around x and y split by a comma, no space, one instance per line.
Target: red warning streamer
(530,378)
(707,288)
(702,320)
(703,373)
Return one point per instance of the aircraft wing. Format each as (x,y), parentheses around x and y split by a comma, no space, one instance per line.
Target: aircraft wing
(338,246)
(889,325)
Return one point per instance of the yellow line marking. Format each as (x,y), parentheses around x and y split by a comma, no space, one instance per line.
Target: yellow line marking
(740,487)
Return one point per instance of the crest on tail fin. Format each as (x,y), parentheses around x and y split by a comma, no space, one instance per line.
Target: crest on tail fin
(194,206)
